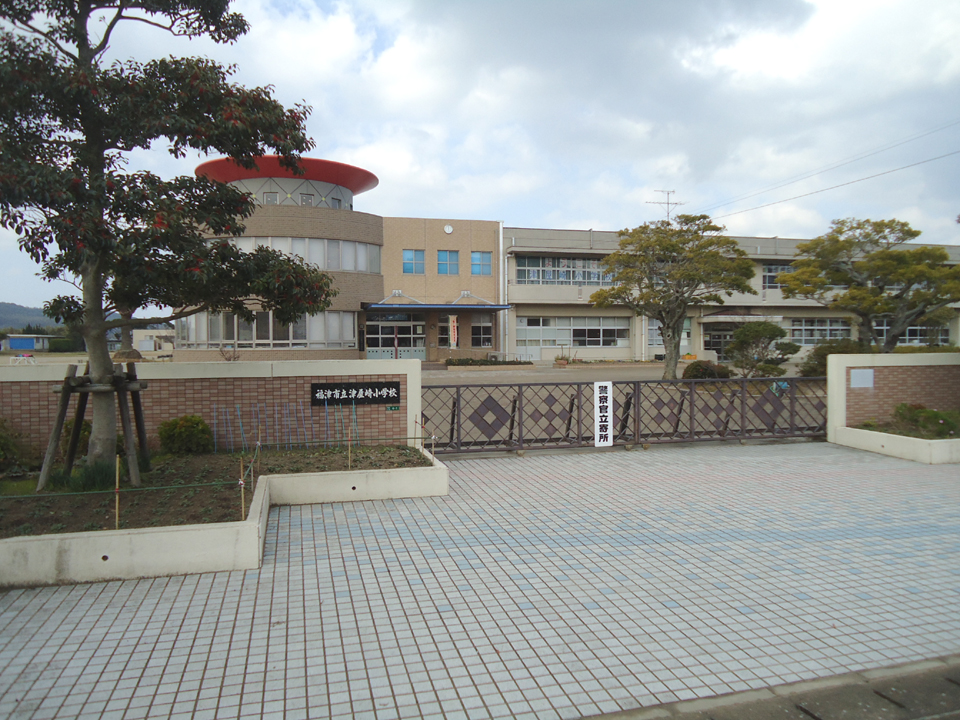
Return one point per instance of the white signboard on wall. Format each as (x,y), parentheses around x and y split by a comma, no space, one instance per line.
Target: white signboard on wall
(603,414)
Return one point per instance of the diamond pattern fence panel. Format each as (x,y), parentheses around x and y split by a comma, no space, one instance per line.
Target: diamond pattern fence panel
(467,418)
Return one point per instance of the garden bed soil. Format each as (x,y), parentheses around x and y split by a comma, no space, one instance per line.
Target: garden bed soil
(177,491)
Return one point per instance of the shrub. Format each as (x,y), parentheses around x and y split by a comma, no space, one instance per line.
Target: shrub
(10,448)
(926,421)
(84,445)
(758,349)
(485,361)
(187,435)
(65,345)
(88,478)
(815,364)
(706,370)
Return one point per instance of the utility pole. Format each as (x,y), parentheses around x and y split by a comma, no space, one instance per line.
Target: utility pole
(665,203)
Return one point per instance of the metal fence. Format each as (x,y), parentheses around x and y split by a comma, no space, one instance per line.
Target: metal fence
(466,418)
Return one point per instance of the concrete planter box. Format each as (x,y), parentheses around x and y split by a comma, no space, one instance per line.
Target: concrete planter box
(214,547)
(931,452)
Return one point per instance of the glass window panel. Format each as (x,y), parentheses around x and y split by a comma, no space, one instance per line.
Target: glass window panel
(263,326)
(282,244)
(362,257)
(317,255)
(244,243)
(298,247)
(281,331)
(348,255)
(300,328)
(315,328)
(333,254)
(333,327)
(348,327)
(374,258)
(271,198)
(213,328)
(229,321)
(306,199)
(245,331)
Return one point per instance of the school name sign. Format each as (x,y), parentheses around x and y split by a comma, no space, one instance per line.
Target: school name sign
(355,393)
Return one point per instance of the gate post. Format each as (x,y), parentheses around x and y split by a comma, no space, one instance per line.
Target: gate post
(579,413)
(459,420)
(520,414)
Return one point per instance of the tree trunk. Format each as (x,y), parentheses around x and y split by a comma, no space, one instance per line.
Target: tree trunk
(671,347)
(126,353)
(103,434)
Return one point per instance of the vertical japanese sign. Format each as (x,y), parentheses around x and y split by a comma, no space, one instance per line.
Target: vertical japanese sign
(603,413)
(454,331)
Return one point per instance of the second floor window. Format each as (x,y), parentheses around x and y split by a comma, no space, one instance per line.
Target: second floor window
(770,272)
(448,262)
(480,263)
(413,262)
(271,198)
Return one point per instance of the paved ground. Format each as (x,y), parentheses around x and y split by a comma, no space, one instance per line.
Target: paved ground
(544,586)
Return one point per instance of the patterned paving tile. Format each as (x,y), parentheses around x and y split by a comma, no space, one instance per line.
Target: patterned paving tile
(549,587)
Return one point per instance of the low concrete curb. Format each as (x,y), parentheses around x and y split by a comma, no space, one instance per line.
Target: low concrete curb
(920,690)
(931,452)
(215,547)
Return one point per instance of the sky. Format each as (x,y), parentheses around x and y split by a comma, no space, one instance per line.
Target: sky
(772,117)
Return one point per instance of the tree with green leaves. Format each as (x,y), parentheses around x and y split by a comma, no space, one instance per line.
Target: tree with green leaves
(129,240)
(664,269)
(866,268)
(758,349)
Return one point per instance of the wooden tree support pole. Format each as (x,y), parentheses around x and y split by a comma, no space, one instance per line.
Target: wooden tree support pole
(57,429)
(138,416)
(77,430)
(133,463)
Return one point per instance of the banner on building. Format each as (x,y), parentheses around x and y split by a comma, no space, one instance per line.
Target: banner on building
(454,331)
(603,414)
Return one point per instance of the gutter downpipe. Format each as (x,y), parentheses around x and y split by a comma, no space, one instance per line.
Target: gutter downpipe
(503,295)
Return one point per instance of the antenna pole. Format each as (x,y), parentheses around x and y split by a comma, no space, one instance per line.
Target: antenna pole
(665,203)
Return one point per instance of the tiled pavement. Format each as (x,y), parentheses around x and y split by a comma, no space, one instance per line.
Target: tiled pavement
(550,586)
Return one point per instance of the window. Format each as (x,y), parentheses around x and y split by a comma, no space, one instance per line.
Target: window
(655,339)
(335,203)
(916,334)
(443,332)
(561,271)
(271,198)
(770,272)
(573,331)
(807,331)
(448,262)
(306,199)
(481,330)
(480,263)
(413,262)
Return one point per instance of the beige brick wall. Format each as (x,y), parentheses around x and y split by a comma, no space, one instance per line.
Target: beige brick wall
(263,402)
(315,222)
(936,387)
(427,234)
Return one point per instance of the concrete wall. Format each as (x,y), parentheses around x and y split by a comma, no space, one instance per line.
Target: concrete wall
(176,389)
(929,379)
(189,549)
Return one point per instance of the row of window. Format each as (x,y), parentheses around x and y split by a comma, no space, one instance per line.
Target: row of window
(409,330)
(533,270)
(448,262)
(323,330)
(325,254)
(305,200)
(573,331)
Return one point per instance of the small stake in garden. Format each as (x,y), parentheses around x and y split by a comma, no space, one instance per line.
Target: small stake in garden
(243,495)
(116,495)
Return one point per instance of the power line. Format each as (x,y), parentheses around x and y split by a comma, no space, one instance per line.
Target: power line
(834,187)
(827,168)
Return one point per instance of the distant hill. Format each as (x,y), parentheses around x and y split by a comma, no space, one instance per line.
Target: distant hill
(16,316)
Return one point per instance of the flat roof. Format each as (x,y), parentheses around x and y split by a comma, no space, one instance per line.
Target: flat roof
(226,170)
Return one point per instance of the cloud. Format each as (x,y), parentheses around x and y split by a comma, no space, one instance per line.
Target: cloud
(559,114)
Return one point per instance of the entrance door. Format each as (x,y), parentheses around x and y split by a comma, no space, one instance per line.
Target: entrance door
(397,335)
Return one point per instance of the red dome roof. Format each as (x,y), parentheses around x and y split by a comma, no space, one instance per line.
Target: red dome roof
(357,180)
